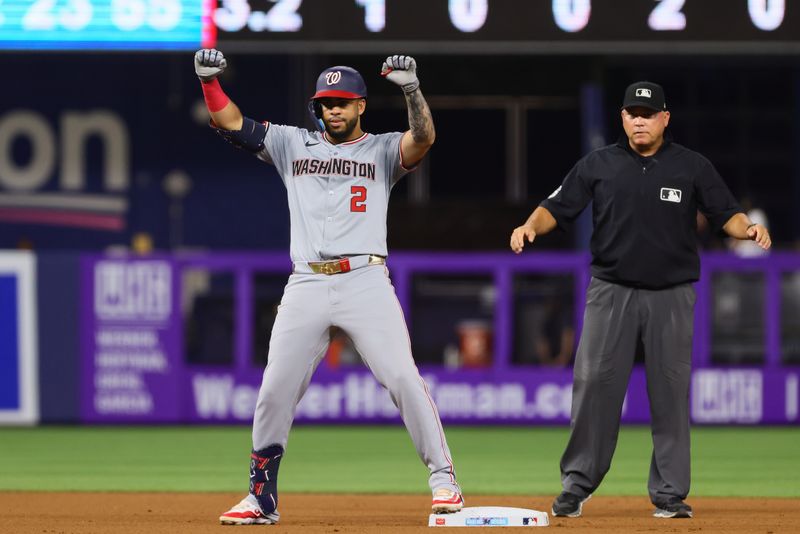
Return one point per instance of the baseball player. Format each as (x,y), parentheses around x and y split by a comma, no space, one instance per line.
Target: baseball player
(646,191)
(338,182)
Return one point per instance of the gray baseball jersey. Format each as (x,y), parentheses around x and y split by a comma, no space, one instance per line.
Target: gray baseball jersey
(338,199)
(338,194)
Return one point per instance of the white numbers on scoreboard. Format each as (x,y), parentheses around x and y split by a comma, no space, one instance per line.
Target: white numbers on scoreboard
(164,14)
(767,15)
(572,15)
(283,17)
(234,15)
(130,15)
(40,16)
(43,15)
(76,15)
(667,16)
(374,14)
(468,15)
(126,15)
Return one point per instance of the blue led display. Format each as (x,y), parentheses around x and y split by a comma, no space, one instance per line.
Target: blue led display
(106,24)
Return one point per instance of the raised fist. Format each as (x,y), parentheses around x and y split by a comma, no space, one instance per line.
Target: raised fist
(401,70)
(209,63)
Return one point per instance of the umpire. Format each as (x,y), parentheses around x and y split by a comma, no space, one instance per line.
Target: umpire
(646,191)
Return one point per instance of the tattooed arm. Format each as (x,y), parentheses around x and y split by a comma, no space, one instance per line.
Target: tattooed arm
(416,142)
(420,136)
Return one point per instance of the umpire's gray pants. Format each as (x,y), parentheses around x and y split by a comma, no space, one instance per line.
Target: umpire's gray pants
(615,317)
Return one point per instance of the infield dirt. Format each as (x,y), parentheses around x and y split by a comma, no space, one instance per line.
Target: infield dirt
(197,513)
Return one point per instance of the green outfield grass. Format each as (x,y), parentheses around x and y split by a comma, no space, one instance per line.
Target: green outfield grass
(489,460)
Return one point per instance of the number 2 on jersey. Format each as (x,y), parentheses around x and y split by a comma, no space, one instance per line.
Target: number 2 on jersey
(358,202)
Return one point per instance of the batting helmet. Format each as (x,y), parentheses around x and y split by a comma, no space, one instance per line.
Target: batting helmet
(340,82)
(336,82)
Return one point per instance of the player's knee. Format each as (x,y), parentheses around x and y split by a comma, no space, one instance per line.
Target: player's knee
(404,381)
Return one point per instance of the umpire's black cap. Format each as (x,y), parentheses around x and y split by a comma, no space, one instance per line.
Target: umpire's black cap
(645,94)
(340,82)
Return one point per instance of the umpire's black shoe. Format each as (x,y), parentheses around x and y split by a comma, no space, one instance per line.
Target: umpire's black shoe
(568,505)
(673,507)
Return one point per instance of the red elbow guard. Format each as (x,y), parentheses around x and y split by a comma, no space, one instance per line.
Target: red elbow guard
(216,99)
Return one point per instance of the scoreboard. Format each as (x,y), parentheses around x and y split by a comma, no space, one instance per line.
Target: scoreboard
(431,26)
(510,26)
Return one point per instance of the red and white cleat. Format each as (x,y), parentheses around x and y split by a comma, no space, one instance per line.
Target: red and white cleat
(446,501)
(248,512)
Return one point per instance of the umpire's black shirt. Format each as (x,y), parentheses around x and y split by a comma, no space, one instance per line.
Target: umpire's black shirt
(644,211)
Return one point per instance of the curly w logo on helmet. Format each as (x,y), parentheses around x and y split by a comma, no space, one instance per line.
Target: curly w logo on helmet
(332,78)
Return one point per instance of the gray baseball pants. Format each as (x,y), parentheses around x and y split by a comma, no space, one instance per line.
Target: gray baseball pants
(615,317)
(361,302)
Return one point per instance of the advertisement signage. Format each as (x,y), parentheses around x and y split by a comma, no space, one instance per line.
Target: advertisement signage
(530,396)
(133,370)
(130,341)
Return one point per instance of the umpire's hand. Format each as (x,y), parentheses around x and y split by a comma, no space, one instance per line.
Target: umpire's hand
(209,63)
(519,235)
(759,234)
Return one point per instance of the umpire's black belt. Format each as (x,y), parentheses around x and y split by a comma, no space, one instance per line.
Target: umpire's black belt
(340,265)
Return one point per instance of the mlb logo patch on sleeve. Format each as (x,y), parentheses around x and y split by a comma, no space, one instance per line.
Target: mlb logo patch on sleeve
(670,195)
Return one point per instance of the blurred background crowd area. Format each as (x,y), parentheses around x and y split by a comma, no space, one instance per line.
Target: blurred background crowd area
(131,130)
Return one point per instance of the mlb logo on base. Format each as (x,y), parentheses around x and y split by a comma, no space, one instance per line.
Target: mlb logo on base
(490,516)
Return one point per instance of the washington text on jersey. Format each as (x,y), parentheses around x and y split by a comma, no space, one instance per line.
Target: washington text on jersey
(333,166)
